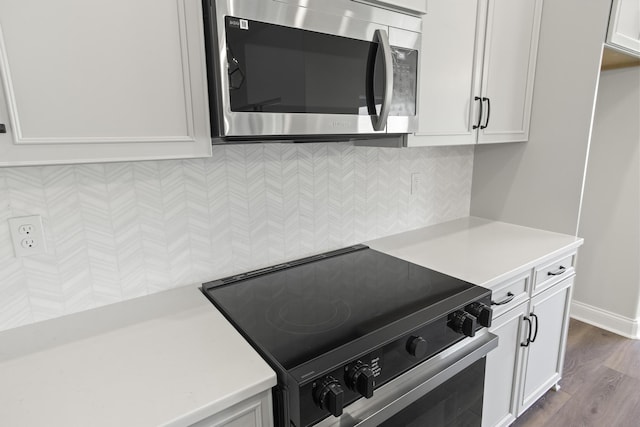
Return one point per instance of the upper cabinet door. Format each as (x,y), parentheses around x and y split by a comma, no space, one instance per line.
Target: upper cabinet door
(624,26)
(477,71)
(89,81)
(447,110)
(510,51)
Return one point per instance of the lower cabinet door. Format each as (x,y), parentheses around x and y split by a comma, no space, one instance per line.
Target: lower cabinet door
(503,368)
(545,354)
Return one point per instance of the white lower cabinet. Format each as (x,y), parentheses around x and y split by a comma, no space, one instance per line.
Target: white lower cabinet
(544,356)
(502,369)
(253,412)
(532,338)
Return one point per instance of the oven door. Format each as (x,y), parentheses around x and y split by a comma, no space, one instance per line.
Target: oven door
(443,391)
(289,70)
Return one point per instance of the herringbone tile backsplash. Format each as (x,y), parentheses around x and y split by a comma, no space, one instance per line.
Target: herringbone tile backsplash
(123,230)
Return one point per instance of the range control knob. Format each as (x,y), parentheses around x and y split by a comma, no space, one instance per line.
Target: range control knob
(329,395)
(417,346)
(360,379)
(480,312)
(463,323)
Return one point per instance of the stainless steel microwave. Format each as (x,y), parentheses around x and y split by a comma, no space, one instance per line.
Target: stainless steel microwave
(310,69)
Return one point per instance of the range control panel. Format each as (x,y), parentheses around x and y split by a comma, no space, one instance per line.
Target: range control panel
(328,394)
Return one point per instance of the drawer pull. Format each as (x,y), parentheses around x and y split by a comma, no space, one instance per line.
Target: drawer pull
(508,299)
(558,272)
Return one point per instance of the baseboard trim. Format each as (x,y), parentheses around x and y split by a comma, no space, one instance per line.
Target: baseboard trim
(607,320)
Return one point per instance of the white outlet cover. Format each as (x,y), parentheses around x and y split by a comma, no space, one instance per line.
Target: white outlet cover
(27,234)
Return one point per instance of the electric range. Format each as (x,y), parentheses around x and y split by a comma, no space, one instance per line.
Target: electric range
(349,326)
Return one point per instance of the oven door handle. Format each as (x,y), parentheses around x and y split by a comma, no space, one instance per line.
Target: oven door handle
(379,122)
(401,392)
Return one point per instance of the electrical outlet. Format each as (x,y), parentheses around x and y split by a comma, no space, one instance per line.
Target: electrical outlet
(28,243)
(25,229)
(416,183)
(27,234)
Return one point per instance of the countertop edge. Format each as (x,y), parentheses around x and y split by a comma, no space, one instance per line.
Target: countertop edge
(531,264)
(72,344)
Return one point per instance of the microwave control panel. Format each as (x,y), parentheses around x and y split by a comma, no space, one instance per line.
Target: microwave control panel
(405,71)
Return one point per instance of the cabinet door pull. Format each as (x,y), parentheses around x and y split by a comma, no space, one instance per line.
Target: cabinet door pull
(526,343)
(477,125)
(558,272)
(508,299)
(535,334)
(3,128)
(486,123)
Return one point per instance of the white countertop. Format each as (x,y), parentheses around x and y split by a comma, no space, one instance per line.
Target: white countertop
(172,359)
(477,250)
(167,359)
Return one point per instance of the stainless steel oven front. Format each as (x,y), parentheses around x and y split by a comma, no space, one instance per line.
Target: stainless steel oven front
(445,390)
(310,67)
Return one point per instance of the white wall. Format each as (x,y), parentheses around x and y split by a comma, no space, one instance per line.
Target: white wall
(538,183)
(609,262)
(118,231)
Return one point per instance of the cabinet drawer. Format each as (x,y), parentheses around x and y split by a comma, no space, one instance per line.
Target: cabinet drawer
(551,273)
(510,293)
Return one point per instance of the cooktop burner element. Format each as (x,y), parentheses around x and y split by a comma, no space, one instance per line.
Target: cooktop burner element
(294,316)
(294,313)
(336,325)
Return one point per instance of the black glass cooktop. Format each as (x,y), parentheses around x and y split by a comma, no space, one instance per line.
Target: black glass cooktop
(302,311)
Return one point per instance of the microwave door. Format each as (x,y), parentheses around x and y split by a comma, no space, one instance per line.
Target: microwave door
(279,79)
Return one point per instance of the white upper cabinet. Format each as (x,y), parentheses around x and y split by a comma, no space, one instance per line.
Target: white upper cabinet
(477,71)
(446,81)
(624,26)
(510,51)
(94,81)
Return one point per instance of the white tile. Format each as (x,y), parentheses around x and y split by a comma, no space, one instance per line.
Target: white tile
(117,231)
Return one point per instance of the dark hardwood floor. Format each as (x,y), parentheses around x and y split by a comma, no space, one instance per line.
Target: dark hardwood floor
(600,385)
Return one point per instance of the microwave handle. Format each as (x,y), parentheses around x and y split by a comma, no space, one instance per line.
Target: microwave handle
(382,38)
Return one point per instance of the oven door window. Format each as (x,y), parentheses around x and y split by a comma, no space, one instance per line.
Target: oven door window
(457,402)
(278,69)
